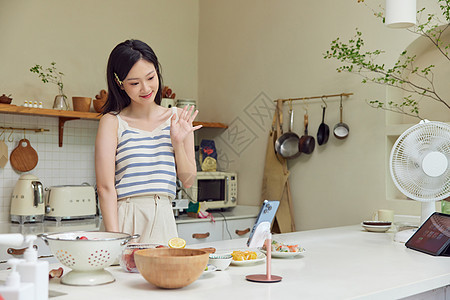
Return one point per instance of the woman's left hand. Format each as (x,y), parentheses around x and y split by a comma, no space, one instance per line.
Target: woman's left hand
(181,128)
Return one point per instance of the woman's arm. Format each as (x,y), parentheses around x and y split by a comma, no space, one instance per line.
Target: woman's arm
(182,135)
(105,157)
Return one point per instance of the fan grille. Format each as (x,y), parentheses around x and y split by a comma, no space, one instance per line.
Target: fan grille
(407,156)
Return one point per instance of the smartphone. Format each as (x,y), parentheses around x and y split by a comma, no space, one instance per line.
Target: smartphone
(266,214)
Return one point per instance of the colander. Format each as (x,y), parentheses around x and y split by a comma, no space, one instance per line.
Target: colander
(87,257)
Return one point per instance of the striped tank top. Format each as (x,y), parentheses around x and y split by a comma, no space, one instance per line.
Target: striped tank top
(145,161)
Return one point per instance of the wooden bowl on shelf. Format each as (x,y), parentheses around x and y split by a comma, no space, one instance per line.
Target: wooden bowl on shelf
(171,268)
(81,103)
(98,104)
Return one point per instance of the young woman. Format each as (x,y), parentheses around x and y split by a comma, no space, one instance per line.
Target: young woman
(141,147)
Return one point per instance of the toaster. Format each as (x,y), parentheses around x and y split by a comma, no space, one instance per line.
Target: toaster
(68,202)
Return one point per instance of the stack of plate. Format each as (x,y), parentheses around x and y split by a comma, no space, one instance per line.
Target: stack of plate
(376,226)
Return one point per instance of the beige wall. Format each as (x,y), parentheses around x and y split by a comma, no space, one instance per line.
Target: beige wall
(235,57)
(79,35)
(251,52)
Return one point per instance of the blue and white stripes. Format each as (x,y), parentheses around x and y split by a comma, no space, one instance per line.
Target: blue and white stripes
(145,162)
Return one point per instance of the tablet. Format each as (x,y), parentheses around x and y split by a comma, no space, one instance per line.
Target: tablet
(433,237)
(266,214)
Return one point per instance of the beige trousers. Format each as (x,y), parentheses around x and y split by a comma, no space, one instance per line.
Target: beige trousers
(150,216)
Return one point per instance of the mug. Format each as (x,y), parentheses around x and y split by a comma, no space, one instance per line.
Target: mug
(384,215)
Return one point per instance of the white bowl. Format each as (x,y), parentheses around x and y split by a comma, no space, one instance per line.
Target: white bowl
(87,257)
(220,261)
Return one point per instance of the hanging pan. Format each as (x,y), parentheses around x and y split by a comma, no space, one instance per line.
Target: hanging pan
(341,129)
(287,144)
(307,142)
(323,132)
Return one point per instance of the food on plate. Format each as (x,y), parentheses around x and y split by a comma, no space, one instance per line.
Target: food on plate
(177,242)
(55,273)
(280,247)
(243,255)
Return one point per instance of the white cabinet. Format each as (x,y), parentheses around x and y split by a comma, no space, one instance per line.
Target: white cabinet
(238,228)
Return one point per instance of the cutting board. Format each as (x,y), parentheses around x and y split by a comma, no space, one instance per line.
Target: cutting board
(24,158)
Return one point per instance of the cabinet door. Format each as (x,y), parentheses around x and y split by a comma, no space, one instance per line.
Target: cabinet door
(200,232)
(237,228)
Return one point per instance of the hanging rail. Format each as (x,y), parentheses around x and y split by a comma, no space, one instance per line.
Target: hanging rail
(316,97)
(25,129)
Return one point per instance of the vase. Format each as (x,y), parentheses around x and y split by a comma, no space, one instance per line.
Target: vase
(60,103)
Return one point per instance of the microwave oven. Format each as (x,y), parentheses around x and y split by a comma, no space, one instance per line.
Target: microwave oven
(217,189)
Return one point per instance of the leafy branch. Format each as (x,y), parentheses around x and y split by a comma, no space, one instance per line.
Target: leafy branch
(50,74)
(405,74)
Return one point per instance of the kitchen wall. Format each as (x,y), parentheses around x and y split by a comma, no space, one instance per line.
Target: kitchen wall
(78,36)
(235,57)
(253,52)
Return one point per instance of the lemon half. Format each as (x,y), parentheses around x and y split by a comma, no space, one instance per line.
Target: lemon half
(177,242)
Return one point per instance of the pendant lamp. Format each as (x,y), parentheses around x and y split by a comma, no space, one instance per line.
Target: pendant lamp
(400,13)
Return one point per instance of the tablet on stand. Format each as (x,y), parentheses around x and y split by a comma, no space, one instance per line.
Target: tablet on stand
(261,234)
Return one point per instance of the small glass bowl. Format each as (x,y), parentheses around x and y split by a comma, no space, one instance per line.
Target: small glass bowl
(127,258)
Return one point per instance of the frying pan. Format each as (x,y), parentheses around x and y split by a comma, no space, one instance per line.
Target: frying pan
(287,144)
(307,142)
(324,131)
(341,129)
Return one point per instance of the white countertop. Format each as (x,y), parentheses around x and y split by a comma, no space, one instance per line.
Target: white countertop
(340,263)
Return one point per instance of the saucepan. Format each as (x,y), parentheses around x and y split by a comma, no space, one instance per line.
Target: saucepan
(307,142)
(287,144)
(341,130)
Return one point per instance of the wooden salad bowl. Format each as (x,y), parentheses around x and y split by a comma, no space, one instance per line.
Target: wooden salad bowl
(171,268)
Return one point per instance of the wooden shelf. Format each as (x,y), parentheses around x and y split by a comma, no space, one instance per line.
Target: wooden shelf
(67,115)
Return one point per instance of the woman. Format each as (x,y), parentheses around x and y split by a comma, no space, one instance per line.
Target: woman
(141,147)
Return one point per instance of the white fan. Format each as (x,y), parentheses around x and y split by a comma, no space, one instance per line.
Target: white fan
(420,166)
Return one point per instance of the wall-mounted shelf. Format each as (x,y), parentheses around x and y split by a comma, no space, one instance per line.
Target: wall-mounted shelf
(67,115)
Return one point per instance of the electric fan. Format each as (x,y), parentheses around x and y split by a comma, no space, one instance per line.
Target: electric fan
(420,168)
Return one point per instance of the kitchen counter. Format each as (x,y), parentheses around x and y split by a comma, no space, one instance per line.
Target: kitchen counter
(339,263)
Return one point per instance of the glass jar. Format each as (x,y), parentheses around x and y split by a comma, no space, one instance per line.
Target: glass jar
(445,206)
(127,258)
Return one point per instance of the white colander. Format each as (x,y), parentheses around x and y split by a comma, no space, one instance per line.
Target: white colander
(87,257)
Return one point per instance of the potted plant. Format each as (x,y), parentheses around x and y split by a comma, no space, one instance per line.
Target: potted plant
(52,75)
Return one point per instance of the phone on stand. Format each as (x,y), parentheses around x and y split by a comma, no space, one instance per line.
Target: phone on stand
(266,215)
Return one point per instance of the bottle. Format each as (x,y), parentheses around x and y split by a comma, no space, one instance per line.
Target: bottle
(40,105)
(34,271)
(35,105)
(25,104)
(13,288)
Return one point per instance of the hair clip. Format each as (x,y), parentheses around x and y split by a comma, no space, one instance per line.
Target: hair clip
(117,78)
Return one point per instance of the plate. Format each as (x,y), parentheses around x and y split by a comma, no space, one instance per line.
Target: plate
(376,228)
(259,257)
(278,254)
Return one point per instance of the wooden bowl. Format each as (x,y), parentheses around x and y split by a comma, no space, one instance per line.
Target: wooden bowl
(171,268)
(98,104)
(81,103)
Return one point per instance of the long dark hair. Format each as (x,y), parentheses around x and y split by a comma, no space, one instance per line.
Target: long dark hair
(121,60)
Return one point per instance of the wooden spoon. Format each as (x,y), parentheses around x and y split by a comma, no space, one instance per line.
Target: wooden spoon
(24,158)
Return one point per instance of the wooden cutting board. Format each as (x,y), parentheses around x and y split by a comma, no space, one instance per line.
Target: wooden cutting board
(3,154)
(24,158)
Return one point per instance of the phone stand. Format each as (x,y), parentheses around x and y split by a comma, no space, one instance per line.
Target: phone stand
(262,235)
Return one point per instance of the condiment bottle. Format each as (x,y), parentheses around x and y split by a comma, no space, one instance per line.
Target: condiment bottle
(13,288)
(34,270)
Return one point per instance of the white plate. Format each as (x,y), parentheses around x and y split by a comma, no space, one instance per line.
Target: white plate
(259,257)
(376,228)
(210,268)
(283,254)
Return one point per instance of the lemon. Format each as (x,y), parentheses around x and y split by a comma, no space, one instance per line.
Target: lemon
(177,242)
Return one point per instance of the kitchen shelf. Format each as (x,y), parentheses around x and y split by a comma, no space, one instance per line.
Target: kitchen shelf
(67,115)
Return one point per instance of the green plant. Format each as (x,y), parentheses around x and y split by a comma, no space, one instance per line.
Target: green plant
(50,74)
(405,74)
